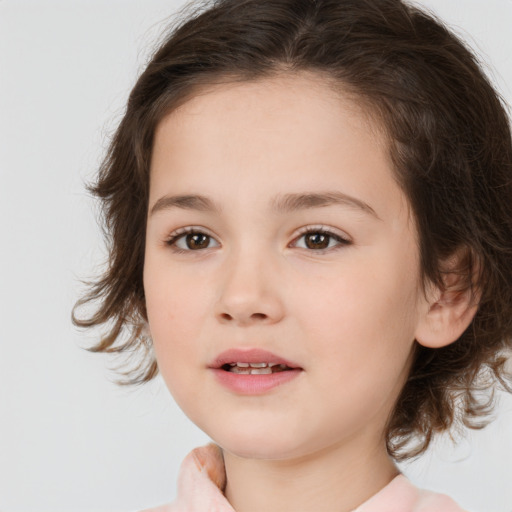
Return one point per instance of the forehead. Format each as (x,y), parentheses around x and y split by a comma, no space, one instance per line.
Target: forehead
(305,101)
(292,133)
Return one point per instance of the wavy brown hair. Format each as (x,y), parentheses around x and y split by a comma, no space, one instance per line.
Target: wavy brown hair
(449,140)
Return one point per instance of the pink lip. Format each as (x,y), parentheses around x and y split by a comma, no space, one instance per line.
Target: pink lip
(252,384)
(254,355)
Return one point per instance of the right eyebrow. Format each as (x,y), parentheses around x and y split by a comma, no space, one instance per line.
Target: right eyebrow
(186,202)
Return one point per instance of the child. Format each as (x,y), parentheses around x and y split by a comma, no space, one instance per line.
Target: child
(309,205)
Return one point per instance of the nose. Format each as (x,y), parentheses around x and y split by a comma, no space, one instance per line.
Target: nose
(250,292)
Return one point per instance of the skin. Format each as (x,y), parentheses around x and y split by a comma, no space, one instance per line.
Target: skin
(348,314)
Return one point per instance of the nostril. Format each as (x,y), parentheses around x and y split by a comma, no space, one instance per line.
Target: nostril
(226,317)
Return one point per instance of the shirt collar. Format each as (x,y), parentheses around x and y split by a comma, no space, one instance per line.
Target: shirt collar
(202,481)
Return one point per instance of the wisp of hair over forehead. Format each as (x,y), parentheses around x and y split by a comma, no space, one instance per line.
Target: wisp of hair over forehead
(449,141)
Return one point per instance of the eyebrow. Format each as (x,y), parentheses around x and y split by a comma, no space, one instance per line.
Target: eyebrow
(281,204)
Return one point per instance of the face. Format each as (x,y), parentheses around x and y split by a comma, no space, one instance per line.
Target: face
(278,236)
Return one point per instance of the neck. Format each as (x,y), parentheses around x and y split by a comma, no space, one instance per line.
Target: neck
(335,479)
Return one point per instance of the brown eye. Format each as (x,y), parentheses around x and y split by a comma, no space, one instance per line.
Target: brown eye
(192,241)
(320,240)
(317,240)
(197,241)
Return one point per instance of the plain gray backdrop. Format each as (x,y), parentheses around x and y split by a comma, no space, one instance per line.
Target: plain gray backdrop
(70,440)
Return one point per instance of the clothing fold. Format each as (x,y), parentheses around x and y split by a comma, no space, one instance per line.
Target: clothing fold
(202,480)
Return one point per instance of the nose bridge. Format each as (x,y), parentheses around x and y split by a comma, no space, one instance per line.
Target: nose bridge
(248,289)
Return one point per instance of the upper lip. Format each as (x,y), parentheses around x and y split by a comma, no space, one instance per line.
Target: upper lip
(253,355)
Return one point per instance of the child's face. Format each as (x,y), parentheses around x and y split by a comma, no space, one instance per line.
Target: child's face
(286,171)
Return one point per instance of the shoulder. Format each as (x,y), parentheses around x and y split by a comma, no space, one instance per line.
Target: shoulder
(429,501)
(400,495)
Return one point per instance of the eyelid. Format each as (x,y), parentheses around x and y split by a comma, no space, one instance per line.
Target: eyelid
(324,229)
(189,229)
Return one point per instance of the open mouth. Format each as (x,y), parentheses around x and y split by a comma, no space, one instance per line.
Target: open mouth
(253,371)
(255,368)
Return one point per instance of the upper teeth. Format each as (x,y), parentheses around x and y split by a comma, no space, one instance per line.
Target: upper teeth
(255,368)
(253,365)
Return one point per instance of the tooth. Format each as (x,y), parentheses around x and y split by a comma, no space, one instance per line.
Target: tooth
(243,365)
(272,364)
(261,371)
(232,364)
(257,365)
(236,369)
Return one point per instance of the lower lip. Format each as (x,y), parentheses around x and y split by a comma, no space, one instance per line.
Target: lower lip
(254,384)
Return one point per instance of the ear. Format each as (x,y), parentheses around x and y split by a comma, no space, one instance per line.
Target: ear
(447,311)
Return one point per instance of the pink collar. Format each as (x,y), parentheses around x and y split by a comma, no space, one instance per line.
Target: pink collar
(202,480)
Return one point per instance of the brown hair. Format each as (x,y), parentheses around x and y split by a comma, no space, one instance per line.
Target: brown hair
(449,139)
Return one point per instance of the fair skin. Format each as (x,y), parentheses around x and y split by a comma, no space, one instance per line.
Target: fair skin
(303,245)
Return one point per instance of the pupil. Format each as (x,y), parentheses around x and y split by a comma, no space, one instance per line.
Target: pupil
(197,241)
(317,241)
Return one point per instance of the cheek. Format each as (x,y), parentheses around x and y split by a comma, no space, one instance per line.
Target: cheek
(176,308)
(361,332)
(173,315)
(366,310)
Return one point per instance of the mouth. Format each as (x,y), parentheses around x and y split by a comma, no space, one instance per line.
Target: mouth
(253,372)
(241,368)
(252,362)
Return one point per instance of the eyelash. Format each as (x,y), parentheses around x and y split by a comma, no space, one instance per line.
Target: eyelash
(321,230)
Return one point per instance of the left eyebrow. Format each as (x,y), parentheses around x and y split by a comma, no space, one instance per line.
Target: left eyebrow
(292,202)
(281,204)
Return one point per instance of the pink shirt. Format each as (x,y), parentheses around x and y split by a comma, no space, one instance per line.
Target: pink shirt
(202,477)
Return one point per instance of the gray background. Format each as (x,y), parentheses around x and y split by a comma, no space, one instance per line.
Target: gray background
(70,440)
